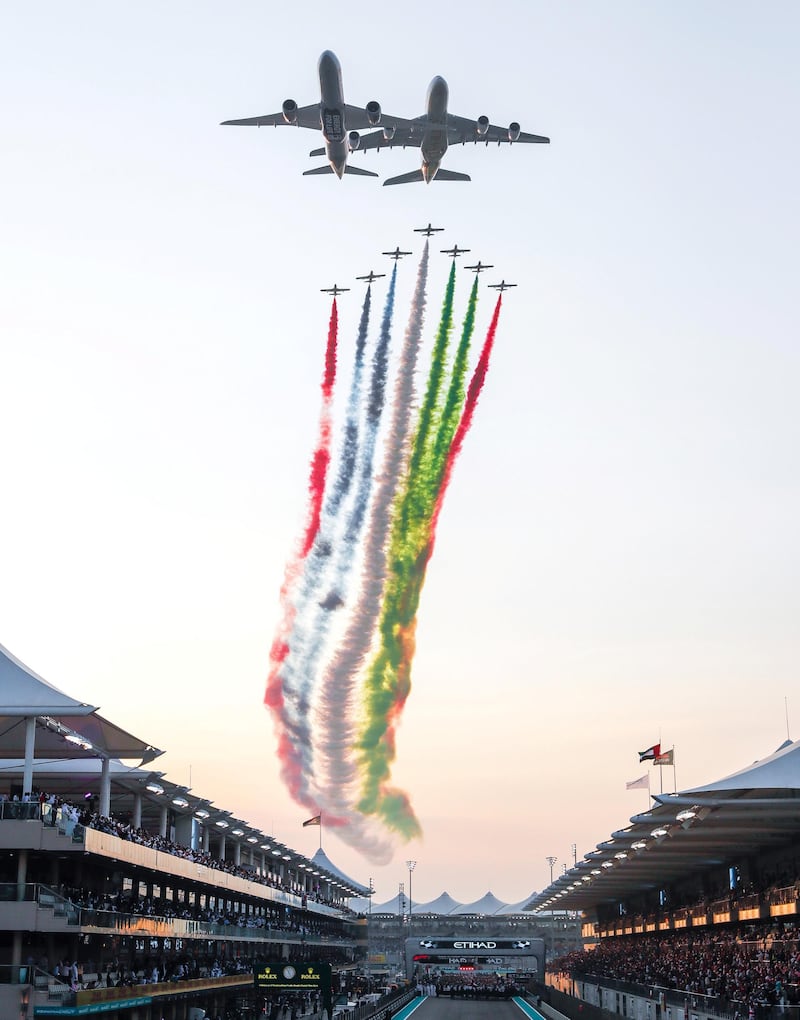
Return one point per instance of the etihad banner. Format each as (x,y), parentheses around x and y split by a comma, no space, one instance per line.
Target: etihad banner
(480,946)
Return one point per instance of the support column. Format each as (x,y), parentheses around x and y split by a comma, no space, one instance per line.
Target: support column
(30,740)
(206,838)
(222,845)
(162,825)
(105,788)
(237,853)
(22,874)
(137,811)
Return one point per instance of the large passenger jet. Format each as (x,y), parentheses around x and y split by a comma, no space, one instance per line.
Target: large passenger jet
(434,131)
(338,122)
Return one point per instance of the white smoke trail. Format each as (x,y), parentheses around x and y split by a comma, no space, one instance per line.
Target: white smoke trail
(335,782)
(315,614)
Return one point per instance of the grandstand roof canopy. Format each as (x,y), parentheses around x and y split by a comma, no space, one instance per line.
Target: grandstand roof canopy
(65,727)
(71,743)
(751,810)
(321,860)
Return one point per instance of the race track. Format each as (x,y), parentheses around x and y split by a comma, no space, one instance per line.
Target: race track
(468,1009)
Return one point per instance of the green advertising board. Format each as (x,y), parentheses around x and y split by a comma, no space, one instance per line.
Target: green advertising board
(295,977)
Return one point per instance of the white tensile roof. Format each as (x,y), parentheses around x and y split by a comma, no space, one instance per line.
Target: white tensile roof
(748,811)
(444,905)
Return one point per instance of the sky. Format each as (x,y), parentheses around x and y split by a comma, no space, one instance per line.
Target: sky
(617,560)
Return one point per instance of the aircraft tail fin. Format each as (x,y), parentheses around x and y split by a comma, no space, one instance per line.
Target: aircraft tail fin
(451,175)
(328,169)
(414,175)
(359,170)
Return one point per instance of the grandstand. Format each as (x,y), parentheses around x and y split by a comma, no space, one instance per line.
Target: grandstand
(129,895)
(692,909)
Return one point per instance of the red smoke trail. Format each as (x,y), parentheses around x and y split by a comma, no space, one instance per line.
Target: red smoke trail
(273,696)
(470,403)
(322,455)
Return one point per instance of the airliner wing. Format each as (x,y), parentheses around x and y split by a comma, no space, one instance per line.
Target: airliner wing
(406,135)
(464,129)
(307,117)
(357,119)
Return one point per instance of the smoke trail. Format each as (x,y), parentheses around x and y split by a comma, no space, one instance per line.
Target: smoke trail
(300,670)
(336,769)
(273,696)
(389,678)
(430,410)
(473,393)
(322,455)
(287,702)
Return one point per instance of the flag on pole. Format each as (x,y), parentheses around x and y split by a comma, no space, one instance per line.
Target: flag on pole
(651,753)
(316,820)
(665,758)
(642,783)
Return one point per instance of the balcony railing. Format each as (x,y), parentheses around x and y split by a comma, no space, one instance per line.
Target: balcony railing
(114,922)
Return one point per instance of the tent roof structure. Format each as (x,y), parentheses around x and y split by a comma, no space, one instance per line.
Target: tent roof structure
(26,693)
(751,810)
(487,904)
(445,905)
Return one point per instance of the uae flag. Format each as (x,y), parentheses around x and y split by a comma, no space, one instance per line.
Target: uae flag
(316,820)
(651,753)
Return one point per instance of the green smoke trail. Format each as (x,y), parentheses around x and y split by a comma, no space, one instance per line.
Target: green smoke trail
(430,410)
(388,680)
(454,401)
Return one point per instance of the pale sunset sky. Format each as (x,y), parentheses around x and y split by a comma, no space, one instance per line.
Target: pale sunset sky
(617,561)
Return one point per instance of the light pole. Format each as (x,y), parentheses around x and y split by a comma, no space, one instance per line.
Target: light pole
(551,861)
(410,865)
(574,855)
(369,936)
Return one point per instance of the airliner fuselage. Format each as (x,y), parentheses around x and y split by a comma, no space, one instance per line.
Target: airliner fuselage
(434,141)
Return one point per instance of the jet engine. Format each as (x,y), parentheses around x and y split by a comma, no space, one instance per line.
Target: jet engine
(388,132)
(482,126)
(513,131)
(290,111)
(374,113)
(353,140)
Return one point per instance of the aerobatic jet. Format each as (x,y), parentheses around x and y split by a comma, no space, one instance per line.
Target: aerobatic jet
(371,276)
(335,289)
(427,231)
(434,131)
(501,286)
(479,267)
(454,252)
(396,254)
(339,122)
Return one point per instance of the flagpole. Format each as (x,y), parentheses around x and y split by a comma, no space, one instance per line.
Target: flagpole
(320,831)
(674,772)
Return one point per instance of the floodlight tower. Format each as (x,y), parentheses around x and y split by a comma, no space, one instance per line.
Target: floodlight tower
(410,865)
